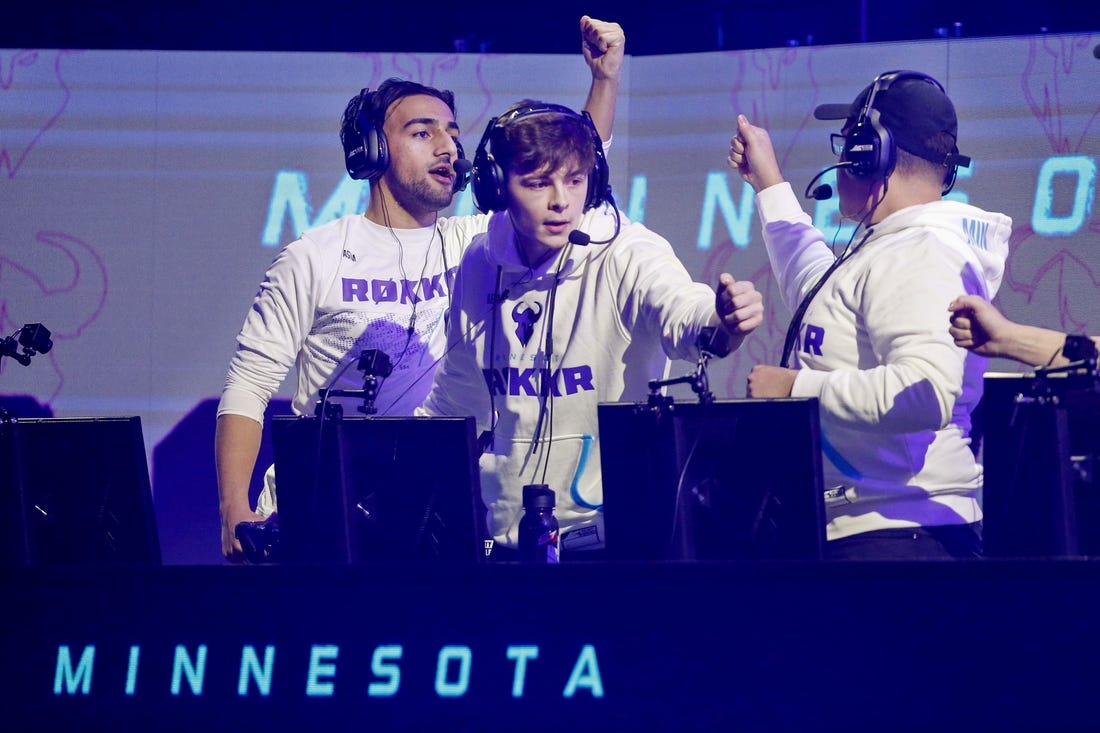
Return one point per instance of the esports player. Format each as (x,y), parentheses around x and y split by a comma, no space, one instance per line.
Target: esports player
(868,335)
(377,281)
(977,325)
(562,304)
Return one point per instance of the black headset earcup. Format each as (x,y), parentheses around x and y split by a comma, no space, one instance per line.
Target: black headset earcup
(869,147)
(378,153)
(949,178)
(462,173)
(598,187)
(487,182)
(487,179)
(365,151)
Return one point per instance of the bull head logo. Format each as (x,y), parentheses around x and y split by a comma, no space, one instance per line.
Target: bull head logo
(526,317)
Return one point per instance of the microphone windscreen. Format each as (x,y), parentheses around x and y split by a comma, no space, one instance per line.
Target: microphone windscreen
(1096,51)
(578,237)
(823,192)
(462,174)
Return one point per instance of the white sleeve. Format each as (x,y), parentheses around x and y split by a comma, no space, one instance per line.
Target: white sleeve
(796,249)
(458,386)
(276,325)
(653,284)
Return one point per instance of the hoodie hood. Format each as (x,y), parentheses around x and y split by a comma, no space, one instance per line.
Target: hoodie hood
(985,234)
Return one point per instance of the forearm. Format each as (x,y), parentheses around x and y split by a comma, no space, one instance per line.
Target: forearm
(602,98)
(236,447)
(1033,345)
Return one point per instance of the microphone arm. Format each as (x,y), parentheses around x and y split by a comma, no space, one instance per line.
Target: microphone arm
(824,191)
(581,238)
(712,341)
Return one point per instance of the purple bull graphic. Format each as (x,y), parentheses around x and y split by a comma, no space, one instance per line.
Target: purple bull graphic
(526,317)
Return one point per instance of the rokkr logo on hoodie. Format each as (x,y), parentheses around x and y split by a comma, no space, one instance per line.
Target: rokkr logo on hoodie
(391,291)
(535,382)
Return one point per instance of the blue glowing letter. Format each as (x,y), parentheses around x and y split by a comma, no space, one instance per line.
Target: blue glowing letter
(290,197)
(195,670)
(464,203)
(319,656)
(457,688)
(1043,219)
(131,670)
(717,197)
(65,673)
(381,667)
(639,189)
(521,654)
(586,673)
(250,667)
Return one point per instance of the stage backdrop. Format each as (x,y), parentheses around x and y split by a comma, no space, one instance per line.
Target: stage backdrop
(144,194)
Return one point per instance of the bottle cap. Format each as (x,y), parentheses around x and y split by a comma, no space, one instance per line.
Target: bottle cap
(538,496)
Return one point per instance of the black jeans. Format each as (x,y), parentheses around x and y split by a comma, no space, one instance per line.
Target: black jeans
(949,542)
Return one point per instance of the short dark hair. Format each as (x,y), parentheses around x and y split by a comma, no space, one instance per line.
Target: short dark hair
(393,89)
(938,146)
(536,140)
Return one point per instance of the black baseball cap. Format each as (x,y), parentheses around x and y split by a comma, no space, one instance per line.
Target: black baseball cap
(913,107)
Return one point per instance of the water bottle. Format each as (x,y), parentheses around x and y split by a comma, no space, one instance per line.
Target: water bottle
(538,529)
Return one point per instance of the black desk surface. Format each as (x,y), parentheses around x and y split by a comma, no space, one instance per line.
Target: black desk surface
(986,645)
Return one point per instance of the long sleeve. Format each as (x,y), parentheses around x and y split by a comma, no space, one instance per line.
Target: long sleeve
(278,321)
(459,388)
(796,249)
(651,285)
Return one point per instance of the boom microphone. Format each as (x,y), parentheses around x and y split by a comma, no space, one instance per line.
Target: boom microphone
(581,239)
(462,173)
(823,191)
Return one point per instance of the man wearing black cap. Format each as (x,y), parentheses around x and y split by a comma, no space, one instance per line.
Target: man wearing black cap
(868,337)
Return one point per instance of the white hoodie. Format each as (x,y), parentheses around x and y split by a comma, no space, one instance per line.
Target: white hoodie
(618,311)
(895,392)
(341,288)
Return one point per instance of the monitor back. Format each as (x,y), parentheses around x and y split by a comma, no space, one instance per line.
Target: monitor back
(76,490)
(1041,458)
(375,489)
(732,479)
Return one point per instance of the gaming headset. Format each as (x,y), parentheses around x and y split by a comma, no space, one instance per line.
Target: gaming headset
(870,148)
(366,152)
(489,182)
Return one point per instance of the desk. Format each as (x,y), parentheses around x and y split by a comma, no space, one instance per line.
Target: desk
(984,645)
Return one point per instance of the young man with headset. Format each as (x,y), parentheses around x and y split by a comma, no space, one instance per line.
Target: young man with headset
(377,282)
(896,394)
(562,304)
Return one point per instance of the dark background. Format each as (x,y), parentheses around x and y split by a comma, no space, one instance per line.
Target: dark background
(520,26)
